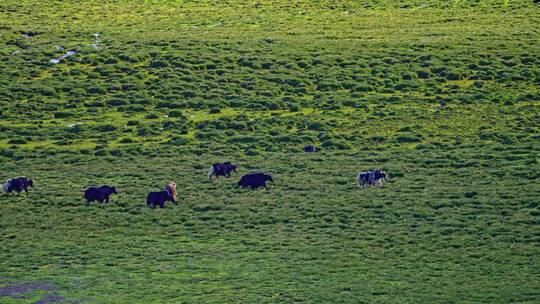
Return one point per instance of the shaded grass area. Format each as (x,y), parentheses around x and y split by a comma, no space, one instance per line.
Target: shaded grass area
(437,231)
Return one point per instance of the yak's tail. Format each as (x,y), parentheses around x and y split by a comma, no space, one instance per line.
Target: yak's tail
(211,172)
(5,186)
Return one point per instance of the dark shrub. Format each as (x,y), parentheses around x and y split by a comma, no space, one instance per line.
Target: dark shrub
(407,85)
(159,64)
(144,130)
(111,60)
(7,153)
(95,104)
(316,126)
(363,87)
(101,152)
(408,138)
(293,108)
(151,116)
(178,141)
(215,110)
(170,105)
(18,141)
(337,144)
(454,74)
(127,140)
(132,108)
(177,113)
(328,86)
(46,91)
(97,90)
(243,139)
(294,82)
(423,74)
(143,101)
(106,128)
(62,114)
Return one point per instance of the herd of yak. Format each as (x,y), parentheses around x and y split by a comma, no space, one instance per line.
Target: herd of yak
(158,198)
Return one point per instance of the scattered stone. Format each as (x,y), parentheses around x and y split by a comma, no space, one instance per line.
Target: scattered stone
(57,60)
(74,124)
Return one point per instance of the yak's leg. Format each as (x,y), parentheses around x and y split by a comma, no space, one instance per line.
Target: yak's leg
(162,204)
(26,190)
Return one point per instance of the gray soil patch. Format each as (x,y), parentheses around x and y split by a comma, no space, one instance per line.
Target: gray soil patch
(16,289)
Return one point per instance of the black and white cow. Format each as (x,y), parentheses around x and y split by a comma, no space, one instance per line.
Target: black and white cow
(222,169)
(372,177)
(18,184)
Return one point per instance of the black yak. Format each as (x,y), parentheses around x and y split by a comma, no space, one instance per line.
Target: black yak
(159,198)
(18,184)
(100,194)
(255,180)
(222,169)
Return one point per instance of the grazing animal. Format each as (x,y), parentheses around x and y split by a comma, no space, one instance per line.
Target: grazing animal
(171,189)
(100,194)
(18,184)
(372,177)
(255,180)
(159,198)
(222,169)
(310,149)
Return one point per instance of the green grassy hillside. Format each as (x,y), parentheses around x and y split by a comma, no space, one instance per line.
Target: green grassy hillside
(444,95)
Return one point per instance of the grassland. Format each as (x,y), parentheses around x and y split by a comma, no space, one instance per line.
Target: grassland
(444,95)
